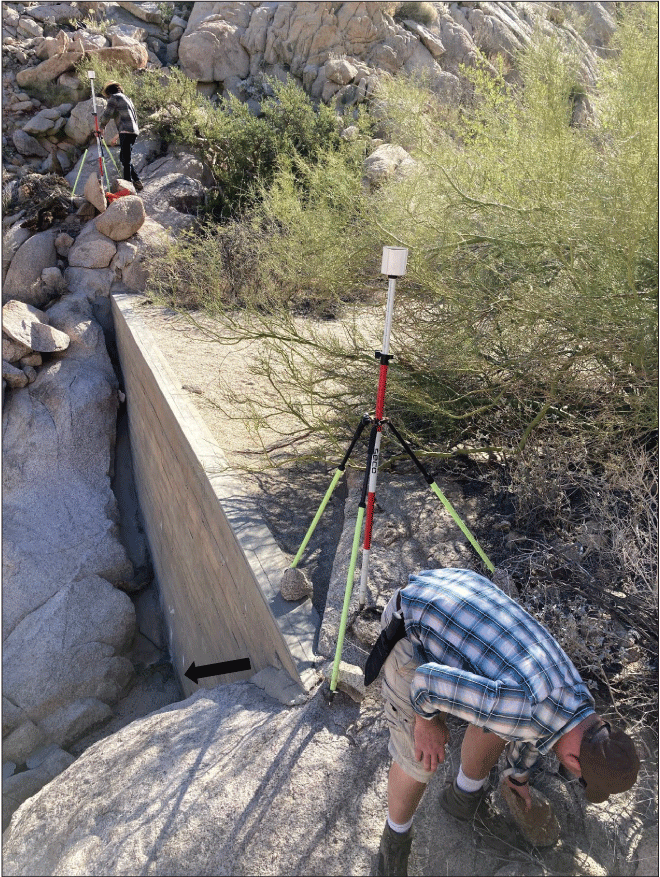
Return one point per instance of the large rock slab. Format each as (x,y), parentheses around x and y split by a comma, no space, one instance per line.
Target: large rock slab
(172,199)
(14,377)
(60,12)
(135,56)
(214,52)
(94,192)
(237,798)
(28,145)
(12,350)
(384,162)
(62,557)
(149,12)
(134,257)
(92,282)
(11,241)
(80,124)
(48,70)
(23,277)
(47,763)
(69,649)
(29,326)
(231,782)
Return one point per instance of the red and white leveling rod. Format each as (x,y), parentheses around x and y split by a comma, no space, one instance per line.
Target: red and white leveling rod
(394,264)
(97,130)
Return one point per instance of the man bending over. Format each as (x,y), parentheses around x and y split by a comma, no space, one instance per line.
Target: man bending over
(471,651)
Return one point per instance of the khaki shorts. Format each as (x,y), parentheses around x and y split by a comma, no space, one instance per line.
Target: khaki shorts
(398,672)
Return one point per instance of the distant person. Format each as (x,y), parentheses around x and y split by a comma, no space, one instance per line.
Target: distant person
(121,109)
(454,644)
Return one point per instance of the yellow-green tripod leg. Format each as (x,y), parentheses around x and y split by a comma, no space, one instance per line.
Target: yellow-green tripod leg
(317,517)
(471,539)
(347,598)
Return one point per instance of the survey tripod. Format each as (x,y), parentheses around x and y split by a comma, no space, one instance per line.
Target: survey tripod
(393,265)
(101,145)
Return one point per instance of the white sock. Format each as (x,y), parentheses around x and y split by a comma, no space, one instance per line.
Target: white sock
(465,784)
(402,829)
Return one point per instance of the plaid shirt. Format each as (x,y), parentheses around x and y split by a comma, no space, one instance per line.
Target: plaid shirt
(121,109)
(486,660)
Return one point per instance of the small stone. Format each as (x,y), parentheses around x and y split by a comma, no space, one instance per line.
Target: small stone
(32,359)
(63,243)
(538,825)
(26,144)
(13,351)
(53,278)
(295,585)
(15,377)
(351,681)
(30,373)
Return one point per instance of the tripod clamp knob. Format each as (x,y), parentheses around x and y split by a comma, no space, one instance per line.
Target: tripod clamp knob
(384,357)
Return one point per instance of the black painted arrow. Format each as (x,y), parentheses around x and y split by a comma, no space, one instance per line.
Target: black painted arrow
(219,669)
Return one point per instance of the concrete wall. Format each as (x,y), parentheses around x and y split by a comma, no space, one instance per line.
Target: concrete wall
(218,566)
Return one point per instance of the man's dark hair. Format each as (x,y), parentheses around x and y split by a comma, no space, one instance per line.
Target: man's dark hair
(113,88)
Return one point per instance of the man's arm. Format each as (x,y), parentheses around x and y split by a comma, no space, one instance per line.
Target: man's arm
(504,708)
(108,112)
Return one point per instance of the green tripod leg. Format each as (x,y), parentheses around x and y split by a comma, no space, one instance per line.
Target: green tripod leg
(107,149)
(471,539)
(82,163)
(354,553)
(317,517)
(443,499)
(347,598)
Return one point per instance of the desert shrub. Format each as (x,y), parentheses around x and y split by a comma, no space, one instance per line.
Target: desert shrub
(49,93)
(257,261)
(530,299)
(423,13)
(586,558)
(526,239)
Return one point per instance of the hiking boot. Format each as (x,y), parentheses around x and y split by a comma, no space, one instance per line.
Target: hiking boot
(462,805)
(393,853)
(138,185)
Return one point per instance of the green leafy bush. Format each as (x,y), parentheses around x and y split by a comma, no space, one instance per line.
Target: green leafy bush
(530,300)
(423,13)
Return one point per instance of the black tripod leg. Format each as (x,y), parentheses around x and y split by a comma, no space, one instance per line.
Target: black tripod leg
(338,472)
(430,480)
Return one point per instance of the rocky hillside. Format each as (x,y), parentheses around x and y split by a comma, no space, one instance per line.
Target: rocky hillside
(67,573)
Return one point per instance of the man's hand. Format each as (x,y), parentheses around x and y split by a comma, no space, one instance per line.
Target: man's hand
(522,792)
(431,737)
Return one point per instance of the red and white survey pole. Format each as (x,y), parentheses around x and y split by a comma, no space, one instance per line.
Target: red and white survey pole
(97,130)
(394,264)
